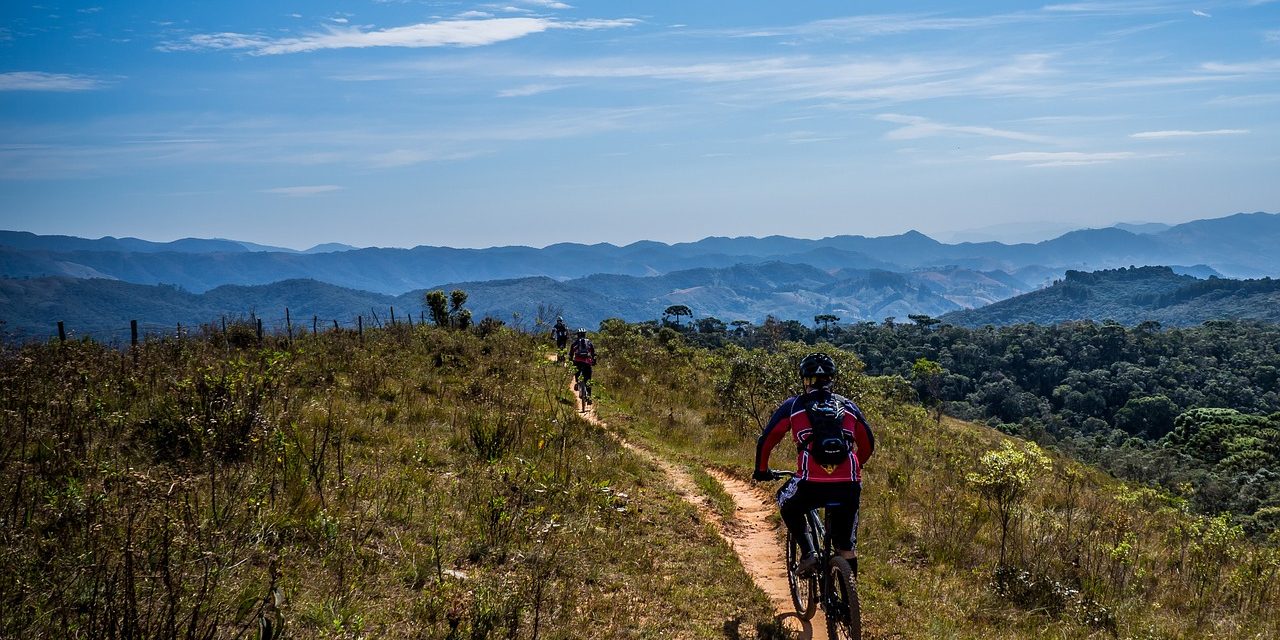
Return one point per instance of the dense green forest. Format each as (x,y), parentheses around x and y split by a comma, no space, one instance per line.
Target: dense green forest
(1194,410)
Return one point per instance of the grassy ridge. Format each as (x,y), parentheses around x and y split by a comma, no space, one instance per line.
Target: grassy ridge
(1086,556)
(419,483)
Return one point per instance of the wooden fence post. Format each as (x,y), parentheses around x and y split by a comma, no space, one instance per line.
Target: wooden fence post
(259,329)
(315,325)
(288,323)
(133,333)
(335,325)
(62,332)
(393,316)
(360,326)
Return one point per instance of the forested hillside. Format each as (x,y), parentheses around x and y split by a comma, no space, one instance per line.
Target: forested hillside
(1130,296)
(1084,555)
(435,482)
(1195,410)
(31,307)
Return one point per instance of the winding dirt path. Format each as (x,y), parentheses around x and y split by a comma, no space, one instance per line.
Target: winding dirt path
(751,533)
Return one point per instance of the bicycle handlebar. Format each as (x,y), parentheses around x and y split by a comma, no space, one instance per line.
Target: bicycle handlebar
(782,473)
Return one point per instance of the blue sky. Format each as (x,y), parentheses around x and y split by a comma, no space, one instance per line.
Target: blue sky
(399,123)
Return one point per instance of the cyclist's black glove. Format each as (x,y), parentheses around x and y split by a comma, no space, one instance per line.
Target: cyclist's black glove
(762,476)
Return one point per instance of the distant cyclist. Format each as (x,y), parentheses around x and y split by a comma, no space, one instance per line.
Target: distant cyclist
(560,333)
(833,441)
(583,355)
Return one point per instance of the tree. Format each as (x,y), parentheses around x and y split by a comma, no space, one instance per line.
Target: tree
(448,312)
(923,321)
(459,318)
(438,305)
(928,374)
(823,321)
(711,324)
(1003,478)
(1148,416)
(677,310)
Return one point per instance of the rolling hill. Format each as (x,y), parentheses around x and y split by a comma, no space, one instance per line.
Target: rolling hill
(31,307)
(1236,246)
(1131,296)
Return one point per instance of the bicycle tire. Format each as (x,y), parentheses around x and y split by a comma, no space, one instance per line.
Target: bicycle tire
(804,591)
(844,610)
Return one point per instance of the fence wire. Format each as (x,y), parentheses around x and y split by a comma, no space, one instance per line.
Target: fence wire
(281,325)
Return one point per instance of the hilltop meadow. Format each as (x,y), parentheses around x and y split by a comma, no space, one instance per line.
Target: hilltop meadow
(439,482)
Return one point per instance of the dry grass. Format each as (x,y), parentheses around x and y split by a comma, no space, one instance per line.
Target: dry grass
(418,483)
(1087,556)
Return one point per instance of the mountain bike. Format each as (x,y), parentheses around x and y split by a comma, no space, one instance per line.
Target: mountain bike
(584,389)
(833,585)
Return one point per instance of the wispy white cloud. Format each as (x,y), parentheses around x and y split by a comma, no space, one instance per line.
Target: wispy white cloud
(1202,14)
(528,90)
(1136,29)
(1067,158)
(548,4)
(215,41)
(917,127)
(1248,99)
(303,191)
(1271,36)
(104,148)
(1254,67)
(885,25)
(1188,134)
(41,81)
(1116,8)
(445,33)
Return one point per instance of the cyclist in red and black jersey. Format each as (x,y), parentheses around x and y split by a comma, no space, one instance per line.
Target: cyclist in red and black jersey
(833,441)
(583,355)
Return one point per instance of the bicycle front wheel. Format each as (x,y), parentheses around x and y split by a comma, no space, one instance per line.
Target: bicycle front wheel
(844,612)
(804,590)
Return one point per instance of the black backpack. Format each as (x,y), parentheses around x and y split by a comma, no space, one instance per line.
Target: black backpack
(827,442)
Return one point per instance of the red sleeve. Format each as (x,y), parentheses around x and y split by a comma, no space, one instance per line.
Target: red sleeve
(865,440)
(779,426)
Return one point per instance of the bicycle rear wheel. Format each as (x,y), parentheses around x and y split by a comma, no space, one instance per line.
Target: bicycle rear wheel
(804,590)
(844,611)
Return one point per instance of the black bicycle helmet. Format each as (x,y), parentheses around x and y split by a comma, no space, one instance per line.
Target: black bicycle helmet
(817,365)
(582,332)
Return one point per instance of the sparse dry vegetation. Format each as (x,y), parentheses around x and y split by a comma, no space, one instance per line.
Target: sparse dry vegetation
(1084,554)
(435,482)
(422,482)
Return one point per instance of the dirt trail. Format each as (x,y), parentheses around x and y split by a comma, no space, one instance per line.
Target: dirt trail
(750,533)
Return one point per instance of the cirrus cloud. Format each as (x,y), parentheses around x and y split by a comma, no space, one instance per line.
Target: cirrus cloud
(918,127)
(41,81)
(1188,134)
(1065,158)
(444,33)
(302,191)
